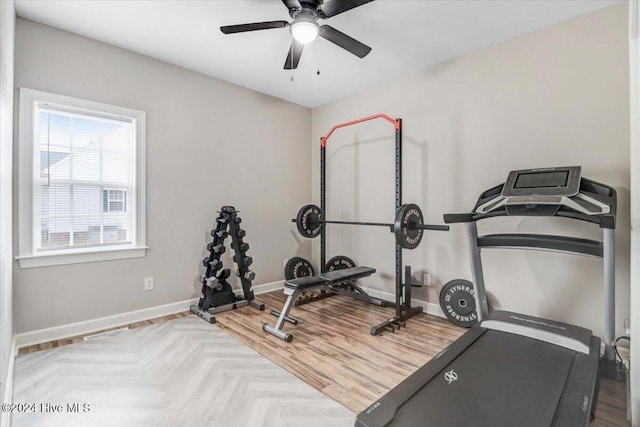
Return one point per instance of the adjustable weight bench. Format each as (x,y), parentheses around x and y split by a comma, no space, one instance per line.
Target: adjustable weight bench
(295,287)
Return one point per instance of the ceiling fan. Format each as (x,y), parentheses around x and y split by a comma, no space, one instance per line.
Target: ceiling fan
(304,27)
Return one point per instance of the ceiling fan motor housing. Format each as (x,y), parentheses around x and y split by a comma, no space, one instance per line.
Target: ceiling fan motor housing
(307,7)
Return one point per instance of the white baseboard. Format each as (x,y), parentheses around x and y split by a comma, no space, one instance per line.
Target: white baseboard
(5,418)
(268,287)
(89,326)
(26,339)
(428,307)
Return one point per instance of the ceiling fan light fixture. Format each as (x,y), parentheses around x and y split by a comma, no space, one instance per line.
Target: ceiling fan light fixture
(304,30)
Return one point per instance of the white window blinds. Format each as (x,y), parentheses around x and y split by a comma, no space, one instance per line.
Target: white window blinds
(84,179)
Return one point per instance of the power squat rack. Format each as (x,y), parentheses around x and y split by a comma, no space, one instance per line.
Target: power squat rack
(408,227)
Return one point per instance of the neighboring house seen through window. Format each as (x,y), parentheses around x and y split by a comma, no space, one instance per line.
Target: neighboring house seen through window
(114,200)
(82,199)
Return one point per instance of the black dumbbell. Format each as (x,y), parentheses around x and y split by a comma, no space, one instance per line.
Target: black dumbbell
(249,275)
(221,234)
(216,264)
(246,261)
(241,233)
(211,282)
(224,274)
(243,247)
(237,220)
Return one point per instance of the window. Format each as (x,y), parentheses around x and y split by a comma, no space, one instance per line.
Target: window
(114,200)
(81,180)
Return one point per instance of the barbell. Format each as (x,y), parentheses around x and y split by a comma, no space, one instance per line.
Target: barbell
(408,226)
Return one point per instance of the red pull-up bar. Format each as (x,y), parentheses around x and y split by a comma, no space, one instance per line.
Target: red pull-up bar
(395,122)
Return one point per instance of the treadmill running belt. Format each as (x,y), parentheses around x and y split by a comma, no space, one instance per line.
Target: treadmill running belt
(501,380)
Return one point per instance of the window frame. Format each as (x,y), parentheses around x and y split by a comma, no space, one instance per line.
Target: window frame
(26,183)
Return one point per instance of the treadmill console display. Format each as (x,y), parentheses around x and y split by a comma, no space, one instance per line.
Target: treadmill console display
(542,192)
(561,181)
(542,180)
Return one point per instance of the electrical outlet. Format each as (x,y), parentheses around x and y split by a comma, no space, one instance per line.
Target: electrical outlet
(627,326)
(285,261)
(148,284)
(426,279)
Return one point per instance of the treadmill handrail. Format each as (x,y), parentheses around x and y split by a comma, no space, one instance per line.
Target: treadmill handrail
(603,221)
(544,242)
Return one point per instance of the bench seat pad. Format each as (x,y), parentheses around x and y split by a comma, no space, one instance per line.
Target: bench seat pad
(330,277)
(304,282)
(337,276)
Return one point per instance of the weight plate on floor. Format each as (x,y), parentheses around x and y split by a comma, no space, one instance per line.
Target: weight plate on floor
(339,262)
(308,221)
(298,267)
(457,300)
(407,216)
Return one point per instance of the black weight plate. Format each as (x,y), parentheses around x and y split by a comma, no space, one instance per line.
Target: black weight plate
(308,221)
(339,262)
(298,267)
(406,236)
(457,300)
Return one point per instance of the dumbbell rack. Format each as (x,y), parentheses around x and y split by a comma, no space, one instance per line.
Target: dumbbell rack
(217,294)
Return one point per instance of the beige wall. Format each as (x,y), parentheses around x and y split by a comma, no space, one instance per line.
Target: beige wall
(209,143)
(558,96)
(7,25)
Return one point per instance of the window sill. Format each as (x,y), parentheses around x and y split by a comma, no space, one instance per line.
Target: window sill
(32,261)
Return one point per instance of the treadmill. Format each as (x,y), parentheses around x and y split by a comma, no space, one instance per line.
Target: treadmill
(512,369)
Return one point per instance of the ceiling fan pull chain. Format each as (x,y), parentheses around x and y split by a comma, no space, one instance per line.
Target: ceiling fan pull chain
(291,48)
(318,56)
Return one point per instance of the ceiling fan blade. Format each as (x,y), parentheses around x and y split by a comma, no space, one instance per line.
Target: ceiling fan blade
(335,7)
(241,28)
(292,4)
(344,41)
(293,57)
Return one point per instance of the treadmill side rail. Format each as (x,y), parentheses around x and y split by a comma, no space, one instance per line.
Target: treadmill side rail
(580,391)
(382,412)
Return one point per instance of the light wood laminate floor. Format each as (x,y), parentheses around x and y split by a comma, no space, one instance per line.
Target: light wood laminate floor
(333,351)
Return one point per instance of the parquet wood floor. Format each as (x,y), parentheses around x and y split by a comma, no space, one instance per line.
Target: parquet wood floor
(182,372)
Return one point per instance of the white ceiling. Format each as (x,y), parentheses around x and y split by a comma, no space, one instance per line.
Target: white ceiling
(405,36)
